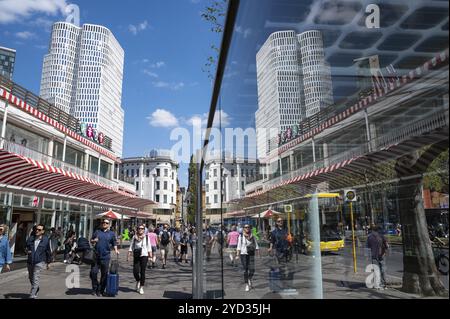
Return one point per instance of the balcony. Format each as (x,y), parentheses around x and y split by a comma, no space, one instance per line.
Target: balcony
(425,125)
(46,159)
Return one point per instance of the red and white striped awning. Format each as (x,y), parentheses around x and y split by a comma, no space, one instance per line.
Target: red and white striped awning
(20,171)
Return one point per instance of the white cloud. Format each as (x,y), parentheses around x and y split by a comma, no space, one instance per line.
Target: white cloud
(220,117)
(245,32)
(162,118)
(150,73)
(13,10)
(175,86)
(158,65)
(135,29)
(25,35)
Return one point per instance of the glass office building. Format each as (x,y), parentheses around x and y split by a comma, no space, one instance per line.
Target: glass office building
(368,89)
(7,60)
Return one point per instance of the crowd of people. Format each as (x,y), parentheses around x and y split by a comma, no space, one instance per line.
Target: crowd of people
(239,243)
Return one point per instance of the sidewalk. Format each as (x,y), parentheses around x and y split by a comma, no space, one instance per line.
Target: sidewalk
(175,282)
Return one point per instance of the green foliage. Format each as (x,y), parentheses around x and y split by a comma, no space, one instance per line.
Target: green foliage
(214,14)
(437,174)
(192,189)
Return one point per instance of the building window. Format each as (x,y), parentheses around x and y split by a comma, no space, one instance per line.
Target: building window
(242,185)
(147,173)
(157,198)
(215,185)
(165,199)
(165,185)
(232,173)
(137,173)
(132,173)
(158,173)
(173,175)
(216,200)
(171,200)
(166,172)
(207,199)
(172,187)
(207,187)
(137,186)
(215,172)
(157,185)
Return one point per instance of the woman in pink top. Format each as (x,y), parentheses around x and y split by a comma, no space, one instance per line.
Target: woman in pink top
(153,239)
(232,240)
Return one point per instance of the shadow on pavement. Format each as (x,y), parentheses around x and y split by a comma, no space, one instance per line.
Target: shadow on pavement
(17,296)
(78,291)
(177,295)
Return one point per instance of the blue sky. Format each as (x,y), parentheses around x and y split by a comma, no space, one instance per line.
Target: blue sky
(166,44)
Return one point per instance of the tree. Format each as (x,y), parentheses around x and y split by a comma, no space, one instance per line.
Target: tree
(420,275)
(192,189)
(214,13)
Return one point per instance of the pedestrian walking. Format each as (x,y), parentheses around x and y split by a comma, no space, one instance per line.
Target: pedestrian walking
(246,250)
(39,254)
(103,239)
(153,240)
(55,242)
(208,240)
(5,251)
(141,250)
(164,241)
(232,240)
(283,253)
(176,244)
(68,243)
(378,247)
(192,240)
(184,247)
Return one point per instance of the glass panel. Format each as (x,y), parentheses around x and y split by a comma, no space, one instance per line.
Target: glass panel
(347,101)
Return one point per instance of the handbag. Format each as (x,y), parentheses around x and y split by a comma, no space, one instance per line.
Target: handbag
(89,256)
(251,249)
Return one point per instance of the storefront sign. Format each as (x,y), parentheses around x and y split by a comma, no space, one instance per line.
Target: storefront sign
(88,131)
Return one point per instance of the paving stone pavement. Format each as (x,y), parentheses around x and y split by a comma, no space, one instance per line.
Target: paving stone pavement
(175,282)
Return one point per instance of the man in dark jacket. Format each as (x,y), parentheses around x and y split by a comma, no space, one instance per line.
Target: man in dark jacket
(39,254)
(279,241)
(103,240)
(378,246)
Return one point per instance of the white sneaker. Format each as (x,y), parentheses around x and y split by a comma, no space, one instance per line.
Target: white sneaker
(250,283)
(138,285)
(247,288)
(141,290)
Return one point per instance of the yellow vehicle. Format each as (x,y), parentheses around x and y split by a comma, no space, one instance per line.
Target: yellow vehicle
(330,218)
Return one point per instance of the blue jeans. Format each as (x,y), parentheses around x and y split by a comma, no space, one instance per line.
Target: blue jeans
(103,266)
(381,263)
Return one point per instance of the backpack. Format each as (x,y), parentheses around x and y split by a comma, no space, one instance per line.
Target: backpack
(165,238)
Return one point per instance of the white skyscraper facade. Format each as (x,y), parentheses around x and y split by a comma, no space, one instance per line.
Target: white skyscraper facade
(316,73)
(82,75)
(279,88)
(294,82)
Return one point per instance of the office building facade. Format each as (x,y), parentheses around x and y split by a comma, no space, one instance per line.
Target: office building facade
(82,75)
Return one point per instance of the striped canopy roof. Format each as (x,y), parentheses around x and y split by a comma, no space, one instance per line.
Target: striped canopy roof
(20,171)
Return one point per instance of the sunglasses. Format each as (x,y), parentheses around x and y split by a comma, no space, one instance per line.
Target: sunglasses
(39,229)
(279,221)
(106,223)
(140,228)
(246,226)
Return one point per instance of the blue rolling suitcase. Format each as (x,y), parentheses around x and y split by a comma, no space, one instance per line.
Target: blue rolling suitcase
(275,280)
(112,285)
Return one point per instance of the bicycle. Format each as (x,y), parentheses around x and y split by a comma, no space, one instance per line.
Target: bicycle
(440,257)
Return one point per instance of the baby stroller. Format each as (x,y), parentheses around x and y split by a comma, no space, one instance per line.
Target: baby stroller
(77,252)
